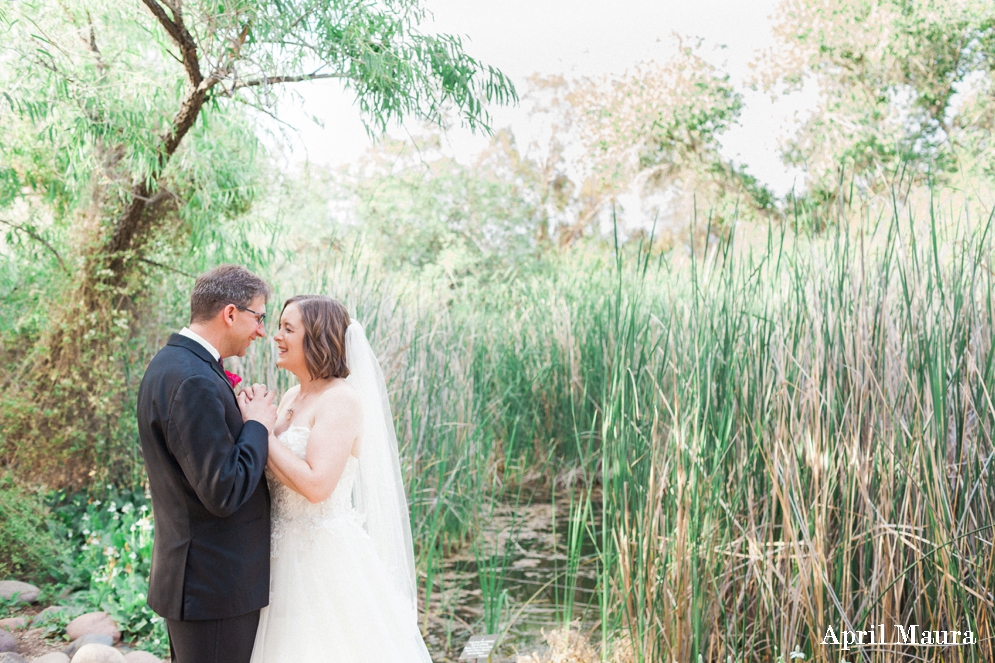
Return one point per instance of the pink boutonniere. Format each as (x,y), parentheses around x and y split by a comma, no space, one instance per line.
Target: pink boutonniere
(233,378)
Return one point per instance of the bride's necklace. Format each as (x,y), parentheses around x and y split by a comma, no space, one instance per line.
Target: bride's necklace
(299,397)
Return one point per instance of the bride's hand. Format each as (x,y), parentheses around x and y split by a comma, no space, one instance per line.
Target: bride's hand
(248,391)
(257,404)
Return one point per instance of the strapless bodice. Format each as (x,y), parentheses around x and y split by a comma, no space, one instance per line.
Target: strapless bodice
(291,510)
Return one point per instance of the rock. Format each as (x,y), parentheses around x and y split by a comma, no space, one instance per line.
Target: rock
(88,639)
(13,623)
(11,657)
(25,593)
(93,622)
(47,613)
(7,642)
(54,657)
(98,654)
(141,657)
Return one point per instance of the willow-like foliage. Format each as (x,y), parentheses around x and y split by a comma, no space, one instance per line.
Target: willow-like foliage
(128,143)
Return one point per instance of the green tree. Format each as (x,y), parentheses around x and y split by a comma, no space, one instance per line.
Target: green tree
(129,140)
(653,130)
(427,212)
(905,88)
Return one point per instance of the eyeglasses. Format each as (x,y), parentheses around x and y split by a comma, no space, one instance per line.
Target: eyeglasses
(260,317)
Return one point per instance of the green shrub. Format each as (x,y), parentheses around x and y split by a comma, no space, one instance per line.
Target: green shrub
(32,544)
(111,544)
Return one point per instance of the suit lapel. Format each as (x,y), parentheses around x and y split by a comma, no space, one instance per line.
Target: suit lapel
(199,350)
(220,371)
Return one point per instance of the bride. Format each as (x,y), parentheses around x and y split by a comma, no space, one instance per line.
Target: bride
(342,564)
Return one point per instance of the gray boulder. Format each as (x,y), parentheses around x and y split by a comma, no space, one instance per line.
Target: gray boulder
(97,654)
(141,657)
(7,641)
(93,622)
(13,623)
(11,657)
(25,593)
(54,657)
(88,639)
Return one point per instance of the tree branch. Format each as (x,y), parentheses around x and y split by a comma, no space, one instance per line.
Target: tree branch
(93,36)
(166,267)
(175,8)
(262,109)
(130,225)
(276,80)
(174,28)
(38,238)
(135,219)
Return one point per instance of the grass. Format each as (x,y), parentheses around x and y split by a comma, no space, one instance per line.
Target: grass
(817,453)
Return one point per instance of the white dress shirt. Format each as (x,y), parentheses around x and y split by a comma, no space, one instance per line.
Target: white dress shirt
(200,339)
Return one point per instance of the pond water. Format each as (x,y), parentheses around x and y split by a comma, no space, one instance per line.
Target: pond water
(534,562)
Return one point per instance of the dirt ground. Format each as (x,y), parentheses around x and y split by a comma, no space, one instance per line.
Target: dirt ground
(32,644)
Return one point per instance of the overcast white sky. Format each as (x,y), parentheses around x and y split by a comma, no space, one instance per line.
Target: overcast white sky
(580,38)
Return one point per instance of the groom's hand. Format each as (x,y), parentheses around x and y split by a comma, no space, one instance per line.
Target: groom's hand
(256,404)
(250,391)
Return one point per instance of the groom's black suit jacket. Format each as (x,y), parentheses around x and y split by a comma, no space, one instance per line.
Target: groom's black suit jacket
(210,558)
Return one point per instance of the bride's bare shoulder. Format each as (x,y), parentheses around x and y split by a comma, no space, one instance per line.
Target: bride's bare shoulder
(340,397)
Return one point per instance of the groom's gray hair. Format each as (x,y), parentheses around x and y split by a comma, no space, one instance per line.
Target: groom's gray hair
(223,285)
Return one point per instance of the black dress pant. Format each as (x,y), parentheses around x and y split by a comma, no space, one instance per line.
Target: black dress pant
(213,640)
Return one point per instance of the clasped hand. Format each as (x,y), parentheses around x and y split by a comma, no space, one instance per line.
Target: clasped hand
(256,404)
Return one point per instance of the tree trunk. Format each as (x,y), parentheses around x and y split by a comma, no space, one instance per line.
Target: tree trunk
(79,386)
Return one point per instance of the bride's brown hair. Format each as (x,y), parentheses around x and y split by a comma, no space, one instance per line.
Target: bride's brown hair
(325,321)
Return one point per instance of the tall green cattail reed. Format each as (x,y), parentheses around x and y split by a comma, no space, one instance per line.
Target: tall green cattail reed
(780,436)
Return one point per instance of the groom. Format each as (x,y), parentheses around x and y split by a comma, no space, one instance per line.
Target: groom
(205,461)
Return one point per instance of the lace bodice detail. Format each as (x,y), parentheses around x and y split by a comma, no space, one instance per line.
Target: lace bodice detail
(293,511)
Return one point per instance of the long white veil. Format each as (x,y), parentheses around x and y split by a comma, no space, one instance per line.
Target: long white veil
(379,490)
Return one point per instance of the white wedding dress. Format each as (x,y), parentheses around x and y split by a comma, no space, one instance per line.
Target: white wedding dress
(331,599)
(342,572)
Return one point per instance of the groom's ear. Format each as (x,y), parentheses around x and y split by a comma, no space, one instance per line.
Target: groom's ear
(228,314)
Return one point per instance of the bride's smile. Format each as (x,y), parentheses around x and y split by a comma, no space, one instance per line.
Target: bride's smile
(289,340)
